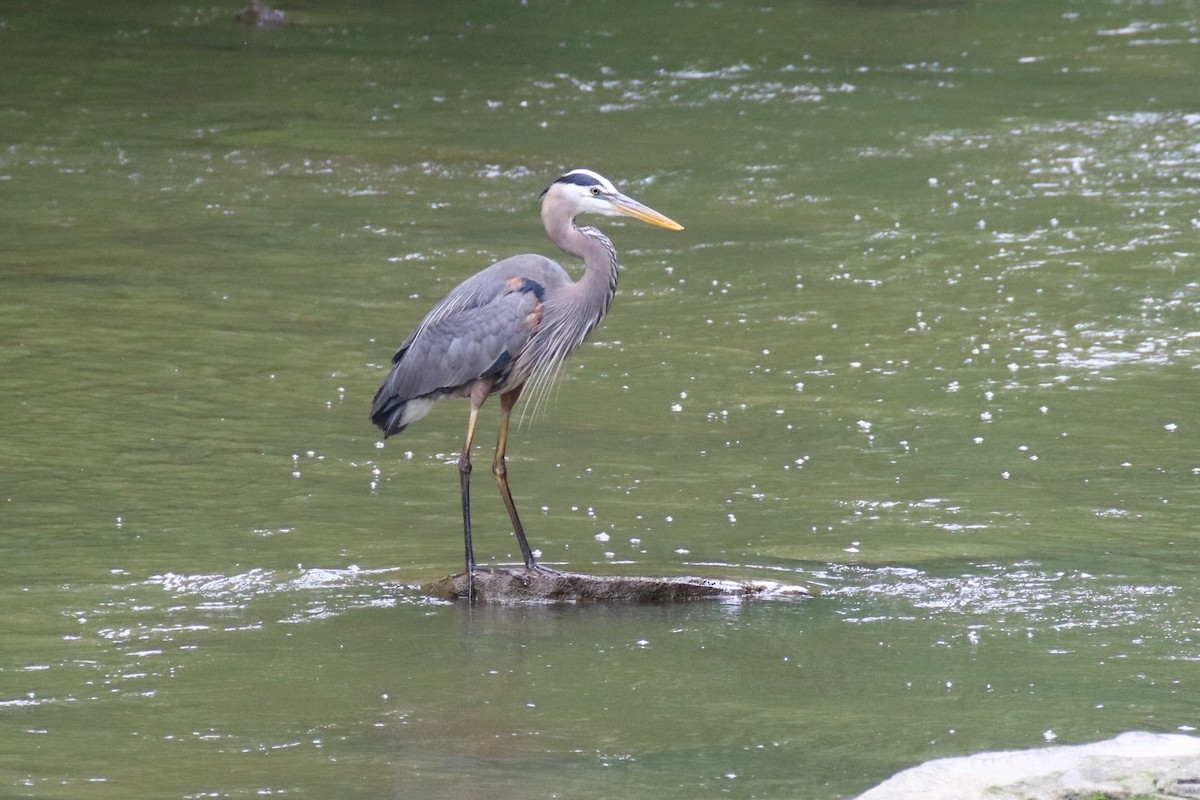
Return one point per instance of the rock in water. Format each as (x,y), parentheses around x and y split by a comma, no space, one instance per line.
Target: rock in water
(521,586)
(261,15)
(1136,763)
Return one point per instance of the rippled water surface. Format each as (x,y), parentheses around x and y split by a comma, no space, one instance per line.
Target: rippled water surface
(928,344)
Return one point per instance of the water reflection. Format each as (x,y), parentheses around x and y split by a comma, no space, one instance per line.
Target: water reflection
(1010,598)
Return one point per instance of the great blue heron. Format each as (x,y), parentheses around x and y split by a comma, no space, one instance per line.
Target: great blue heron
(511,325)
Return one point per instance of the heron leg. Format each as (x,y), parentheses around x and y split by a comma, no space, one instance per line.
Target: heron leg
(478,395)
(500,470)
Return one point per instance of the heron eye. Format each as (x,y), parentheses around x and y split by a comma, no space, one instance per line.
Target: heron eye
(595,190)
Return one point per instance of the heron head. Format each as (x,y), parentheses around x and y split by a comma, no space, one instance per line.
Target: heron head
(582,191)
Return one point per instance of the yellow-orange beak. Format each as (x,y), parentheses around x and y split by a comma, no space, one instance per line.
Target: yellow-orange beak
(632,208)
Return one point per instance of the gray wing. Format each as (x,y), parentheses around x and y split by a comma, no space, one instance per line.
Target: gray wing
(485,286)
(477,333)
(467,345)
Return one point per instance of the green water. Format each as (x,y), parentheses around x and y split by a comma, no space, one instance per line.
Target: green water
(929,343)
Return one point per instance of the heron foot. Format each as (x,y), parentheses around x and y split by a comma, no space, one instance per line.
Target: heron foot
(476,570)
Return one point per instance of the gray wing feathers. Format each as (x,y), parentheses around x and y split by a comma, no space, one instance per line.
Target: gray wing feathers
(477,331)
(464,346)
(484,287)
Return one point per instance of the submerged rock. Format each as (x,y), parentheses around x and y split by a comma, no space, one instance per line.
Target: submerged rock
(1132,764)
(523,586)
(261,15)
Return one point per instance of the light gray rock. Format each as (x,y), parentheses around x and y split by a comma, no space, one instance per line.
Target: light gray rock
(1132,764)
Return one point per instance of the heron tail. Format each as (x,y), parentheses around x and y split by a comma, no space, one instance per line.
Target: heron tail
(387,412)
(393,413)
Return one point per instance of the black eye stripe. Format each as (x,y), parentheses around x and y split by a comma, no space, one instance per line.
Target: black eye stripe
(596,184)
(579,179)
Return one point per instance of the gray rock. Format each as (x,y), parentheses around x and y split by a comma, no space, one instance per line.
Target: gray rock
(1132,764)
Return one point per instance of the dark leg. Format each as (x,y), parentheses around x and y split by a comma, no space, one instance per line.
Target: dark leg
(478,395)
(500,470)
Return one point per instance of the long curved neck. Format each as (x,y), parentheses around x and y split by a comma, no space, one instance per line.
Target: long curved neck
(593,292)
(572,310)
